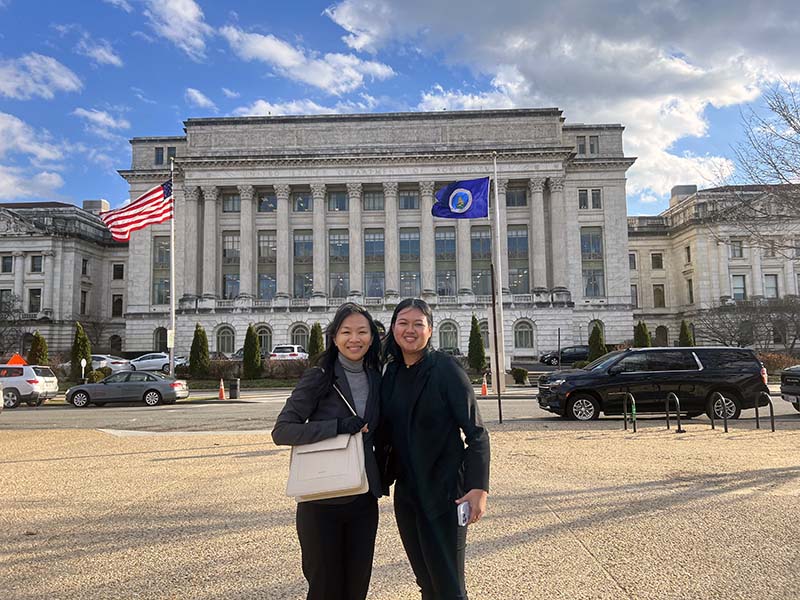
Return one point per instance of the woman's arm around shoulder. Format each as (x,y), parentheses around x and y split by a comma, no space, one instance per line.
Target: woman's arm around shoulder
(291,428)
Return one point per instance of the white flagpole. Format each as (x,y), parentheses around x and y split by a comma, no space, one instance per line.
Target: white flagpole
(171,333)
(498,382)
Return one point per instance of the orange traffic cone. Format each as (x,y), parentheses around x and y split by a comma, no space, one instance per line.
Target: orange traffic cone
(484,391)
(221,391)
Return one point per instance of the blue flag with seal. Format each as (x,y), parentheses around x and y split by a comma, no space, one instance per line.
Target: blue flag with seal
(463,200)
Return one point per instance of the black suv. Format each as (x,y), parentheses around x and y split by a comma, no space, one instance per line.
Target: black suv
(790,385)
(693,374)
(569,355)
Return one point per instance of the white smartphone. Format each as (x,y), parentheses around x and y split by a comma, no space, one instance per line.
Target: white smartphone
(463,514)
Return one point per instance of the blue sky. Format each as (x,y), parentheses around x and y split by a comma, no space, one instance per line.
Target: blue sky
(78,79)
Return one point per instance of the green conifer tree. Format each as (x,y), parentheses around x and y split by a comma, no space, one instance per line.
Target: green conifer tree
(641,336)
(476,355)
(81,348)
(315,343)
(597,345)
(199,361)
(251,365)
(37,355)
(686,338)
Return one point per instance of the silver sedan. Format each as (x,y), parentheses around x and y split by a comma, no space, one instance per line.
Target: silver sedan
(152,388)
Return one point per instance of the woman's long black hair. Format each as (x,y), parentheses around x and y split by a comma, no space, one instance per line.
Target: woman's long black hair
(327,359)
(391,351)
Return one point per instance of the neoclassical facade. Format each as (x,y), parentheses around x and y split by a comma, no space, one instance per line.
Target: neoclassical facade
(281,219)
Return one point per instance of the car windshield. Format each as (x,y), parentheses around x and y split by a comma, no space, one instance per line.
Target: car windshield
(43,371)
(283,349)
(603,362)
(160,375)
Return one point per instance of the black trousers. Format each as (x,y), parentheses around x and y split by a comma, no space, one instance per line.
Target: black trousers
(337,542)
(435,547)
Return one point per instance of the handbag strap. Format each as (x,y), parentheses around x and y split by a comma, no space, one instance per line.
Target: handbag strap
(341,395)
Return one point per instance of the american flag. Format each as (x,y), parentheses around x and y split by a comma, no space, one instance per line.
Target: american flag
(154,206)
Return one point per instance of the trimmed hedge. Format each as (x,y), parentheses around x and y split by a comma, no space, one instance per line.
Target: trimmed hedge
(774,362)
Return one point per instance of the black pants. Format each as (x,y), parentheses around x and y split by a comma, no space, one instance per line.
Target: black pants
(338,541)
(435,547)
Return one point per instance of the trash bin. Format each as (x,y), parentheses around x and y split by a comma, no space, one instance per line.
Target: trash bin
(235,389)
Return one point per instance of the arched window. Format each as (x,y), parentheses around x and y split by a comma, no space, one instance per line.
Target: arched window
(115,344)
(523,335)
(226,339)
(264,334)
(484,327)
(27,342)
(662,336)
(448,335)
(116,306)
(299,335)
(160,340)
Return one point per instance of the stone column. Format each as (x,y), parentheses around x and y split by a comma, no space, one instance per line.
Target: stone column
(725,287)
(284,247)
(19,277)
(758,276)
(320,284)
(210,194)
(464,256)
(427,250)
(502,235)
(247,241)
(790,279)
(558,232)
(191,196)
(49,268)
(536,237)
(391,239)
(356,242)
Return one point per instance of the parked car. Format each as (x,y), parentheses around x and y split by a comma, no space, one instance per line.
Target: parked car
(569,355)
(451,351)
(790,386)
(129,386)
(694,374)
(155,361)
(217,355)
(288,352)
(31,384)
(115,363)
(239,354)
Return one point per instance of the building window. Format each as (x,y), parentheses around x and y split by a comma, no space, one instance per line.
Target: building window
(118,271)
(230,286)
(373,284)
(408,200)
(267,202)
(35,300)
(446,282)
(339,285)
(518,280)
(267,245)
(116,305)
(373,245)
(516,197)
(597,201)
(338,201)
(161,270)
(481,243)
(581,144)
(409,284)
(518,242)
(302,202)
(84,301)
(159,156)
(592,262)
(299,335)
(690,290)
(7,300)
(303,246)
(659,300)
(115,344)
(634,296)
(373,201)
(662,337)
(632,261)
(264,334)
(770,286)
(226,339)
(656,261)
(688,254)
(737,249)
(7,264)
(230,249)
(339,246)
(84,266)
(303,285)
(583,199)
(171,152)
(484,327)
(160,340)
(482,282)
(594,144)
(523,335)
(448,335)
(161,252)
(267,286)
(36,263)
(445,240)
(409,244)
(161,291)
(231,203)
(739,288)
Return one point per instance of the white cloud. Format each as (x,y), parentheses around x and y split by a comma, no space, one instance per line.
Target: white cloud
(19,141)
(100,51)
(230,93)
(140,94)
(294,107)
(199,99)
(121,4)
(181,22)
(16,183)
(102,123)
(19,138)
(333,72)
(36,75)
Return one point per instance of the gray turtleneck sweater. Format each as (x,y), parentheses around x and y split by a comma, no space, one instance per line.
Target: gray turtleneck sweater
(358,382)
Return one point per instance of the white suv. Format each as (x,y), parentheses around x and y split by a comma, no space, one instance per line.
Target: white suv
(30,384)
(288,352)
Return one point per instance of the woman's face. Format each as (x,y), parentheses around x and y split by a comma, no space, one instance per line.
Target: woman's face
(353,337)
(411,330)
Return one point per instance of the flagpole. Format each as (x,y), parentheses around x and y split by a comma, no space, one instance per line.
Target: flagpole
(497,289)
(171,334)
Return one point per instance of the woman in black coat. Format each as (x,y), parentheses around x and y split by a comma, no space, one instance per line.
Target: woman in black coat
(427,402)
(337,536)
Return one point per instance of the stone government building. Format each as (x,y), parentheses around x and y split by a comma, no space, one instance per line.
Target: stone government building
(281,219)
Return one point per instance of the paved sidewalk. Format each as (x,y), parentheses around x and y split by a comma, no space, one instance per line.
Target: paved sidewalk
(575,512)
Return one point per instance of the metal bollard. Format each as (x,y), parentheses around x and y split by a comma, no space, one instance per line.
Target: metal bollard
(633,409)
(625,410)
(666,409)
(771,410)
(234,386)
(677,411)
(714,398)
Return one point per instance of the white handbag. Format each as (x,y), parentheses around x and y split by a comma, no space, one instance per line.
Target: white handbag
(331,468)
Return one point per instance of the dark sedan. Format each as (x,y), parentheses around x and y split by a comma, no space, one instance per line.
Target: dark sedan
(790,385)
(152,388)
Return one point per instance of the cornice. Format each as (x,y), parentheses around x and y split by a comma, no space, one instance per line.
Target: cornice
(601,163)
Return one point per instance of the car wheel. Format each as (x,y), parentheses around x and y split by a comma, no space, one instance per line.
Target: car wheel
(553,362)
(165,369)
(10,398)
(152,398)
(80,399)
(583,407)
(733,406)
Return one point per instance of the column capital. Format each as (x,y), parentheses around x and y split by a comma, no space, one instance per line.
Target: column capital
(536,185)
(210,193)
(17,254)
(502,185)
(191,192)
(49,253)
(318,192)
(426,187)
(390,188)
(556,184)
(246,192)
(354,189)
(281,191)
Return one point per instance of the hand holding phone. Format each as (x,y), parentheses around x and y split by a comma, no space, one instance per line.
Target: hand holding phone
(463,514)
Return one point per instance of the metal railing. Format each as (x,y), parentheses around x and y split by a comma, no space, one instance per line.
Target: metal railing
(713,411)
(673,396)
(771,411)
(632,398)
